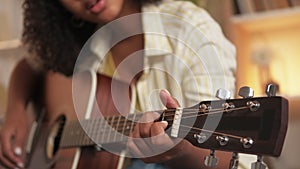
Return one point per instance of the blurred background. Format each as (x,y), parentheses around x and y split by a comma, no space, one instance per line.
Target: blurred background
(265,32)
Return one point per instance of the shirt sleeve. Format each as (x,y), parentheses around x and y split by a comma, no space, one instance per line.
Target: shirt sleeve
(209,56)
(211,60)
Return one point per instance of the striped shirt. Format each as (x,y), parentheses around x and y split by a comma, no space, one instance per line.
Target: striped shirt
(185,52)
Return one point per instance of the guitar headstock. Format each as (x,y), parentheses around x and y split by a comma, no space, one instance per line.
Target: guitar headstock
(251,125)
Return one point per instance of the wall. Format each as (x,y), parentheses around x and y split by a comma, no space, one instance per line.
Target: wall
(11,26)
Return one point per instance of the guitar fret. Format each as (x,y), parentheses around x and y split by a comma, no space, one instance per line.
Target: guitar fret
(64,137)
(132,123)
(85,128)
(116,129)
(93,129)
(70,140)
(95,136)
(123,128)
(88,130)
(79,134)
(163,115)
(119,129)
(100,132)
(110,128)
(86,136)
(104,129)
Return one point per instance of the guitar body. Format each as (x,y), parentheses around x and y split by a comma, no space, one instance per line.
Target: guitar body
(249,125)
(59,103)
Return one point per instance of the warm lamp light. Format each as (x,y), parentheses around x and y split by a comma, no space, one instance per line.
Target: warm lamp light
(286,72)
(276,56)
(262,57)
(279,68)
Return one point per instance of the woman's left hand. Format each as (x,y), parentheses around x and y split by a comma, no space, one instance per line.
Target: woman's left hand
(149,141)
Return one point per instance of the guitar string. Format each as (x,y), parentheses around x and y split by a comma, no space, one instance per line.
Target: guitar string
(131,123)
(212,113)
(190,131)
(186,111)
(184,116)
(124,120)
(209,131)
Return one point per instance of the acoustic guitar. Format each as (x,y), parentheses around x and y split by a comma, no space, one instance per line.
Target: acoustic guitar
(66,137)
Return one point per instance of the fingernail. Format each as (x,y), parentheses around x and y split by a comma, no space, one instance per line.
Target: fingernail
(166,91)
(18,151)
(165,123)
(21,165)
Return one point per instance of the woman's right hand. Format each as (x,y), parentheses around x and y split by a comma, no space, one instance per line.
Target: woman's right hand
(14,130)
(12,139)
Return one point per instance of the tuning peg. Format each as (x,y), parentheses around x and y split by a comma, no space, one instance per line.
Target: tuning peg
(223,94)
(234,162)
(211,160)
(201,138)
(98,147)
(271,90)
(247,142)
(223,140)
(246,92)
(258,164)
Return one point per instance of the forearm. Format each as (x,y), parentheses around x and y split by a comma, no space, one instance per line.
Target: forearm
(21,86)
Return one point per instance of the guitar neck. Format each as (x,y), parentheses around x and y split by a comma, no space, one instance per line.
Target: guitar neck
(252,126)
(113,129)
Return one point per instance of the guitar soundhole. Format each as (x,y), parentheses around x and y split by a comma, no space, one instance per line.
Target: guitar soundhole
(54,137)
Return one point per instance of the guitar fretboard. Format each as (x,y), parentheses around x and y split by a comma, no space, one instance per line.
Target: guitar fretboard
(99,131)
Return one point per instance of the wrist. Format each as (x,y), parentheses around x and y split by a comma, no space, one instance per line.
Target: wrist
(16,108)
(187,158)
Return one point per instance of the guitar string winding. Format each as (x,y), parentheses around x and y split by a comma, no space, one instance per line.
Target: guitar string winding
(208,131)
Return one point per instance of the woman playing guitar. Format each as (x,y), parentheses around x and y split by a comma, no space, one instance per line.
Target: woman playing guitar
(171,45)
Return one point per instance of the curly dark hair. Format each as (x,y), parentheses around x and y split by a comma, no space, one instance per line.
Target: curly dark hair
(50,33)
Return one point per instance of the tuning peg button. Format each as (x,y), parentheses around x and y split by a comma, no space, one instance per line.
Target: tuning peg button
(223,94)
(247,142)
(223,140)
(98,147)
(271,90)
(234,162)
(201,138)
(246,92)
(258,164)
(211,160)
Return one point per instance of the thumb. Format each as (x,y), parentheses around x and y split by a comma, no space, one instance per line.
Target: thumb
(19,143)
(168,100)
(158,128)
(158,135)
(9,149)
(17,148)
